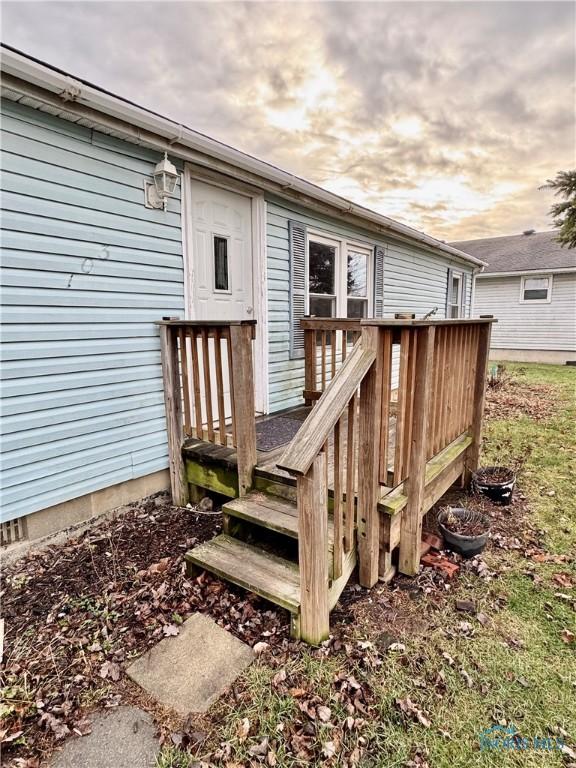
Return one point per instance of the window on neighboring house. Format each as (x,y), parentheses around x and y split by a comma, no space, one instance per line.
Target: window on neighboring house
(536,289)
(455,302)
(339,278)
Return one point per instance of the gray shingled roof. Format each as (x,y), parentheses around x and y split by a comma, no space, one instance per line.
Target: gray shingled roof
(519,253)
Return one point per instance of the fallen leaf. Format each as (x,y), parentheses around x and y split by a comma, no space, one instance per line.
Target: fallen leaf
(243,729)
(324,713)
(567,636)
(409,708)
(259,749)
(397,647)
(328,749)
(466,677)
(170,630)
(566,750)
(279,677)
(564,579)
(111,670)
(58,728)
(260,648)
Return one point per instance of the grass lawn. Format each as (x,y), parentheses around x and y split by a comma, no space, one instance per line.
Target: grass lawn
(425,700)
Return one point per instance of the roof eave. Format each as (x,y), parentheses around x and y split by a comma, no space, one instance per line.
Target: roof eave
(73,91)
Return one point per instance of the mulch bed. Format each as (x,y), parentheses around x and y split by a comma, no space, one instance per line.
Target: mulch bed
(77,613)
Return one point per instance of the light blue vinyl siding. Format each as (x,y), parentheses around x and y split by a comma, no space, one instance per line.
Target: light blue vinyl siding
(414,281)
(87,269)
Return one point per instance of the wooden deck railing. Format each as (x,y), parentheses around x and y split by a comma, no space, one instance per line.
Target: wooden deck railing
(327,342)
(209,392)
(438,369)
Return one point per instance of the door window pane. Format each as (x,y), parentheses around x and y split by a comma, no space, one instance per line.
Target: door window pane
(221,282)
(357,274)
(321,268)
(535,288)
(321,307)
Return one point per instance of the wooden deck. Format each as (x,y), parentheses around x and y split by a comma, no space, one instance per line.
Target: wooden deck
(348,476)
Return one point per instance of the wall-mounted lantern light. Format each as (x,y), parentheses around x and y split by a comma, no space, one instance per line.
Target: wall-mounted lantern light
(165,179)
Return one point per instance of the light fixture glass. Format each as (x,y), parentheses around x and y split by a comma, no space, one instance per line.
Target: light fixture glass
(165,178)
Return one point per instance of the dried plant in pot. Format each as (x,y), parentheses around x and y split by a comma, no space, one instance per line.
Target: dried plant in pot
(496,483)
(465,531)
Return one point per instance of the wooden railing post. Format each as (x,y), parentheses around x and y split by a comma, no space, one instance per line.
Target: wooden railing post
(482,352)
(242,377)
(173,405)
(369,461)
(411,526)
(309,363)
(312,500)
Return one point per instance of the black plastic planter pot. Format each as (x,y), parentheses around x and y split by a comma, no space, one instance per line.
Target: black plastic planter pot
(467,546)
(501,491)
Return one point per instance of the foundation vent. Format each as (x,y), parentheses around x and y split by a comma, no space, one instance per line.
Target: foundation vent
(13,531)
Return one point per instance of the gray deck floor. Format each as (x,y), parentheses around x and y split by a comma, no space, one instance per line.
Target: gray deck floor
(267,460)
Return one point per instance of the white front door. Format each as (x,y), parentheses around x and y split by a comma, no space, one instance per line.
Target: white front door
(220,271)
(222,284)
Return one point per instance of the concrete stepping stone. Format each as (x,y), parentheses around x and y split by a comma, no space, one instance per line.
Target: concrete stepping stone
(191,671)
(122,737)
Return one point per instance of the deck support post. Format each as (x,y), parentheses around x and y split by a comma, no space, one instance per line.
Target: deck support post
(242,375)
(368,520)
(312,499)
(482,354)
(173,406)
(415,485)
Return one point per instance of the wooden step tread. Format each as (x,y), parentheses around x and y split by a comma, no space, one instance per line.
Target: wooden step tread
(270,512)
(252,568)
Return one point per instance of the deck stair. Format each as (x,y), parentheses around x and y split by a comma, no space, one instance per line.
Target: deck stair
(255,552)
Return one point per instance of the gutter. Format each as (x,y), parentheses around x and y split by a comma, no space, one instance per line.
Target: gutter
(77,92)
(519,272)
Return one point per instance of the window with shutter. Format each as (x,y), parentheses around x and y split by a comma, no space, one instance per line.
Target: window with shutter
(297,232)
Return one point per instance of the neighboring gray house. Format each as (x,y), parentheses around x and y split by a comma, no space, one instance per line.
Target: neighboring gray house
(89,265)
(530,286)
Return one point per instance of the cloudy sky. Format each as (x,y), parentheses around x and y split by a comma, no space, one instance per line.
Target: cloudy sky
(447,116)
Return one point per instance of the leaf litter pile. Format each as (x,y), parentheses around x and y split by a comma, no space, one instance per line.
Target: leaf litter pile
(77,613)
(510,397)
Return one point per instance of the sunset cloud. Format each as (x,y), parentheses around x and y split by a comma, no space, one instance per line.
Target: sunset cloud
(447,116)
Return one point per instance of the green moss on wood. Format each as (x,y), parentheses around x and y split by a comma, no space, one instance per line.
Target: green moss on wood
(214,478)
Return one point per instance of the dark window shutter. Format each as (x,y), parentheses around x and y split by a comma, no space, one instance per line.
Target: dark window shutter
(465,284)
(297,232)
(378,281)
(448,292)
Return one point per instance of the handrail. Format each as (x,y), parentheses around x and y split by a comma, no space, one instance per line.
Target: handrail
(314,432)
(330,323)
